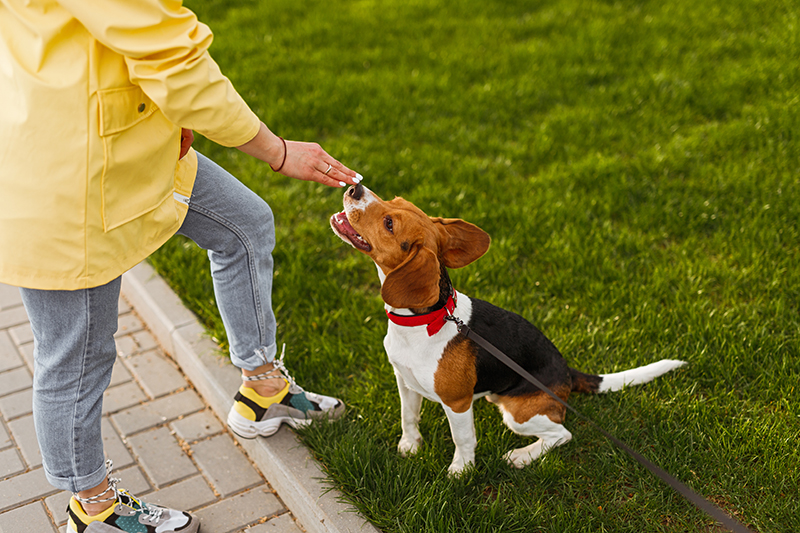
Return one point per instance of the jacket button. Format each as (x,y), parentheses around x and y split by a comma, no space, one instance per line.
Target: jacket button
(142,107)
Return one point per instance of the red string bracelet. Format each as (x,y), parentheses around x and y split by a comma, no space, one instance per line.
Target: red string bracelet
(284,156)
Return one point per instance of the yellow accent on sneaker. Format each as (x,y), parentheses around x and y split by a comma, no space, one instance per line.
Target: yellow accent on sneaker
(263,401)
(245,411)
(76,507)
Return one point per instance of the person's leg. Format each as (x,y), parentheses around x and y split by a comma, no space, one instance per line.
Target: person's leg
(237,228)
(74,353)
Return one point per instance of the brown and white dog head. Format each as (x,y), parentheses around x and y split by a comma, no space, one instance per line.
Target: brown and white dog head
(407,245)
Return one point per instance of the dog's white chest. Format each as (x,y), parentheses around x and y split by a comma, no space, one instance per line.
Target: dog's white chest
(415,359)
(415,355)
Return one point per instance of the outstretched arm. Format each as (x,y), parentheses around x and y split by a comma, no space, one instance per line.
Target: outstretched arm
(299,160)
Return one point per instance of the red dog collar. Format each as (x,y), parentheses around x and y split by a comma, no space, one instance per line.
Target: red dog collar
(435,320)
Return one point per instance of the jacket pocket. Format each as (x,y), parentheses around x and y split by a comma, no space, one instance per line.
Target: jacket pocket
(140,151)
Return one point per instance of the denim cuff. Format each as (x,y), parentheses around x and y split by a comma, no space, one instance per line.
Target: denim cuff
(77,484)
(260,356)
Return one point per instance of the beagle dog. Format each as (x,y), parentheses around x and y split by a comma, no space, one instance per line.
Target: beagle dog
(432,360)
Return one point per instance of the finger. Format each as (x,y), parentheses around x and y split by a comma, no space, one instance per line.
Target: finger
(337,171)
(328,169)
(334,178)
(343,179)
(331,179)
(336,164)
(351,174)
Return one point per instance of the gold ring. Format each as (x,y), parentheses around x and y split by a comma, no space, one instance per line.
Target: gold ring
(329,169)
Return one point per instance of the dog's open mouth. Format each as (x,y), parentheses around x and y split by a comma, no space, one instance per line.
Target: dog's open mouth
(341,226)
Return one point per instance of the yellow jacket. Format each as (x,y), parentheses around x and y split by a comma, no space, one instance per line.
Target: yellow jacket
(93,95)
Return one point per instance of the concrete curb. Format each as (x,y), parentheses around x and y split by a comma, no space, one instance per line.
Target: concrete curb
(286,463)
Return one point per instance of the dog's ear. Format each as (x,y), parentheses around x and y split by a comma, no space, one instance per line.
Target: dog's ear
(415,283)
(460,243)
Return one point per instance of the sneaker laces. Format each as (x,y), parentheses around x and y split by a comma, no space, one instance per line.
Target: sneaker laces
(280,367)
(122,496)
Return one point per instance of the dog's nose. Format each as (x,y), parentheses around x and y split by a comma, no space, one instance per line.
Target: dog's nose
(356,191)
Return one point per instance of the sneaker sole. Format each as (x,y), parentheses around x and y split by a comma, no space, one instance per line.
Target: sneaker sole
(247,429)
(100,527)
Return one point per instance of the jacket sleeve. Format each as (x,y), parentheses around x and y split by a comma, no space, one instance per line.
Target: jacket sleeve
(166,50)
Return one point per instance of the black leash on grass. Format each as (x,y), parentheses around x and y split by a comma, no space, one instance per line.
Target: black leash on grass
(700,502)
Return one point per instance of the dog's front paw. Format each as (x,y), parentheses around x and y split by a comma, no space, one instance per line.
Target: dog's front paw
(408,445)
(457,467)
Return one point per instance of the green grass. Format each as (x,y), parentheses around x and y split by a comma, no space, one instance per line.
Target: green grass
(637,165)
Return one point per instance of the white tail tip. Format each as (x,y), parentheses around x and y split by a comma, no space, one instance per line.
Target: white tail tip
(637,376)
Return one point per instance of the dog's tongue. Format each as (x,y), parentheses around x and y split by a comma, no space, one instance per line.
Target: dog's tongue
(341,221)
(346,230)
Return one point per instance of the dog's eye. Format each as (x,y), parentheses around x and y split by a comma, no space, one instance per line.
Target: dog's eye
(389,224)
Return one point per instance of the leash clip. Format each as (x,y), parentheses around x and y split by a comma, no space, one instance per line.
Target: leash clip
(457,321)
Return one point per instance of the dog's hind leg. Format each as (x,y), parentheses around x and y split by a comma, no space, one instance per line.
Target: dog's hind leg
(536,415)
(410,405)
(550,435)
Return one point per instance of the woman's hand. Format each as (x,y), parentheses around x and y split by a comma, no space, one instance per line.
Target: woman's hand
(187,138)
(299,160)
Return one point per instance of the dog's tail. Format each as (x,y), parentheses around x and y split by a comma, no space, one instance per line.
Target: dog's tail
(589,383)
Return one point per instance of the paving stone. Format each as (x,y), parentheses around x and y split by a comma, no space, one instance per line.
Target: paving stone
(27,519)
(5,437)
(197,426)
(113,445)
(24,488)
(151,414)
(14,316)
(162,307)
(122,397)
(187,495)
(22,334)
(145,340)
(126,346)
(123,306)
(9,355)
(233,514)
(17,404)
(280,524)
(225,465)
(155,373)
(57,505)
(10,463)
(9,296)
(119,374)
(163,460)
(27,354)
(128,324)
(24,434)
(15,380)
(133,480)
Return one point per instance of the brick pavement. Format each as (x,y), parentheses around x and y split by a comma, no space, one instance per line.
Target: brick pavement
(166,443)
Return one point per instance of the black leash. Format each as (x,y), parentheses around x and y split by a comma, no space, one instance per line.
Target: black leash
(700,502)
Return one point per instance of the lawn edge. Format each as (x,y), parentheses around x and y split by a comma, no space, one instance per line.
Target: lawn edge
(283,459)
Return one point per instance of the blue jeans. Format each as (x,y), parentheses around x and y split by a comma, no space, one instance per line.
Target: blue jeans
(74,348)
